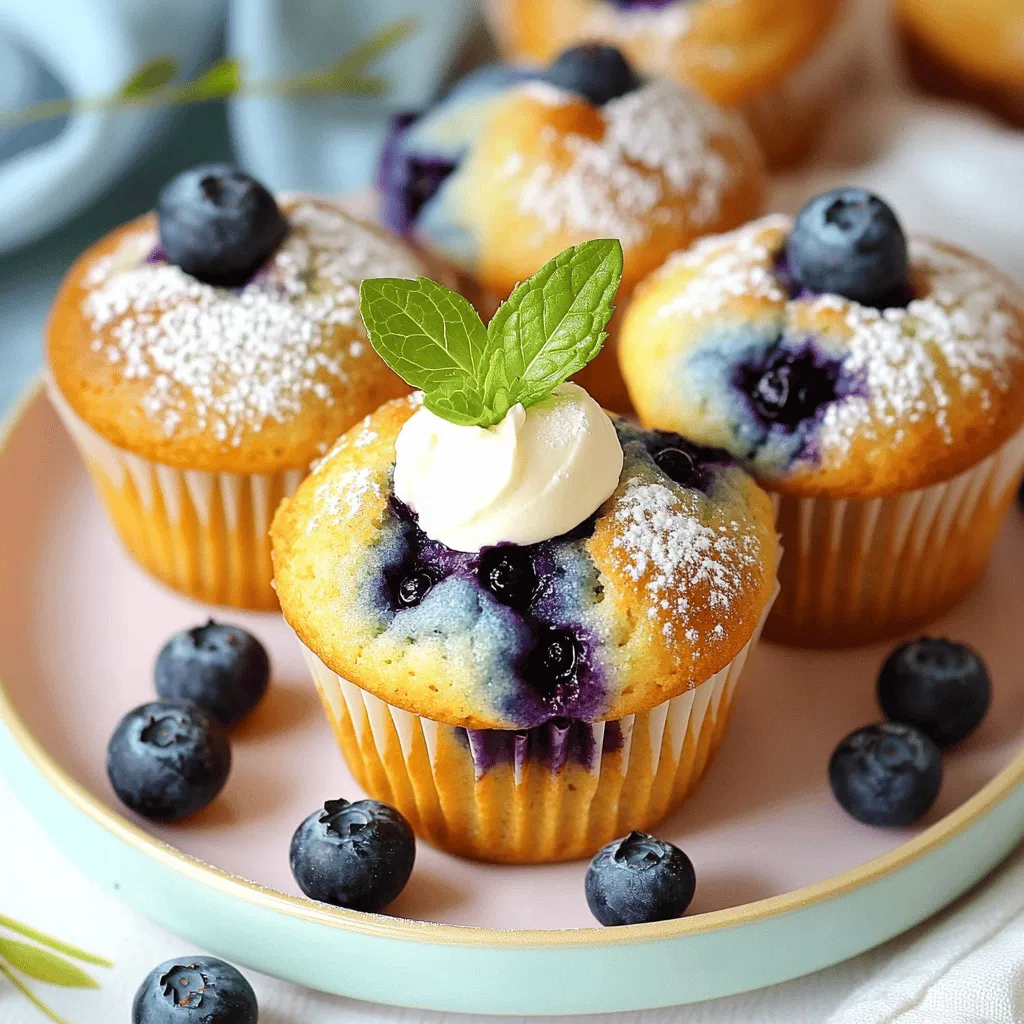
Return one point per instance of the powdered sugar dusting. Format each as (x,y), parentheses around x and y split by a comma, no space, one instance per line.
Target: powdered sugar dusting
(236,359)
(342,497)
(733,265)
(960,338)
(667,547)
(616,186)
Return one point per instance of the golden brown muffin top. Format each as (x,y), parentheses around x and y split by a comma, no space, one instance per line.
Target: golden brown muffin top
(915,394)
(660,589)
(254,379)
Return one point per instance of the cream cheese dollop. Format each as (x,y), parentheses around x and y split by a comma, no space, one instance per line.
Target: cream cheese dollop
(535,475)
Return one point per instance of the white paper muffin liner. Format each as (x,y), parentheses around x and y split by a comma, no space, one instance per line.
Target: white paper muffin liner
(538,802)
(204,534)
(858,571)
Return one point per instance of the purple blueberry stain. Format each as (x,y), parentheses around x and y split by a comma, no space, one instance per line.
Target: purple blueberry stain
(788,389)
(407,180)
(557,743)
(643,5)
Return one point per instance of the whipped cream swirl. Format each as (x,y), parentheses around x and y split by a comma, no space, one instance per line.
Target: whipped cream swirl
(535,475)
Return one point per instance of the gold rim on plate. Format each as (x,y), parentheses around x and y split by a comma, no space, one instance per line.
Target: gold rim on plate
(379,925)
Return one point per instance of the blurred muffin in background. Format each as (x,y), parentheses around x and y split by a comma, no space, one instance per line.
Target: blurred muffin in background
(514,165)
(972,51)
(782,65)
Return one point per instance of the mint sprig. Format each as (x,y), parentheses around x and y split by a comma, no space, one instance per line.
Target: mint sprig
(550,327)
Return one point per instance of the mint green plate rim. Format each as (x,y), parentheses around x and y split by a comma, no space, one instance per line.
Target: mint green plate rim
(479,970)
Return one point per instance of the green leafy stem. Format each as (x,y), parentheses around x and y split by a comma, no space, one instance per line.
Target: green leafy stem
(549,328)
(153,84)
(44,959)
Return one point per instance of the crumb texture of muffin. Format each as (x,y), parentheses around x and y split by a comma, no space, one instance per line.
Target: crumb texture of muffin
(662,588)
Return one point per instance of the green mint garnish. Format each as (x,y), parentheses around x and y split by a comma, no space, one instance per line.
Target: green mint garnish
(550,327)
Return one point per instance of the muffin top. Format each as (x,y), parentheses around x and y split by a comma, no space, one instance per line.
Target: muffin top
(496,551)
(730,50)
(514,165)
(817,393)
(648,597)
(982,37)
(258,377)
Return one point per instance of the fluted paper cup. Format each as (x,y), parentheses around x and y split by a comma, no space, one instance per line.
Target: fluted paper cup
(203,534)
(555,792)
(859,571)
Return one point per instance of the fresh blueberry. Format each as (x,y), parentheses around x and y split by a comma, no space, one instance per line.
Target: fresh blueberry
(887,774)
(356,855)
(218,224)
(791,387)
(594,70)
(195,990)
(848,242)
(168,759)
(224,669)
(508,573)
(938,686)
(678,465)
(639,879)
(413,588)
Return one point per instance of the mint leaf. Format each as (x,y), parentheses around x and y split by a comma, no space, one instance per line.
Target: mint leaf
(42,965)
(552,324)
(148,78)
(434,340)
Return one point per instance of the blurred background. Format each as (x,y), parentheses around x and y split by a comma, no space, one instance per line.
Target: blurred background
(101,101)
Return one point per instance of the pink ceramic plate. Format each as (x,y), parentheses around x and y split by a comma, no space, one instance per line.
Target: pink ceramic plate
(81,626)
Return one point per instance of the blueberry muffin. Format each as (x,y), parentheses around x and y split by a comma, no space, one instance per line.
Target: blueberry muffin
(875,386)
(782,65)
(527,635)
(203,356)
(514,165)
(968,51)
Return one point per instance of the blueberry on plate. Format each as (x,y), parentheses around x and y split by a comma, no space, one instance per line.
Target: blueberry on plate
(887,774)
(224,669)
(356,855)
(594,70)
(848,242)
(639,879)
(195,990)
(218,224)
(168,759)
(938,686)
